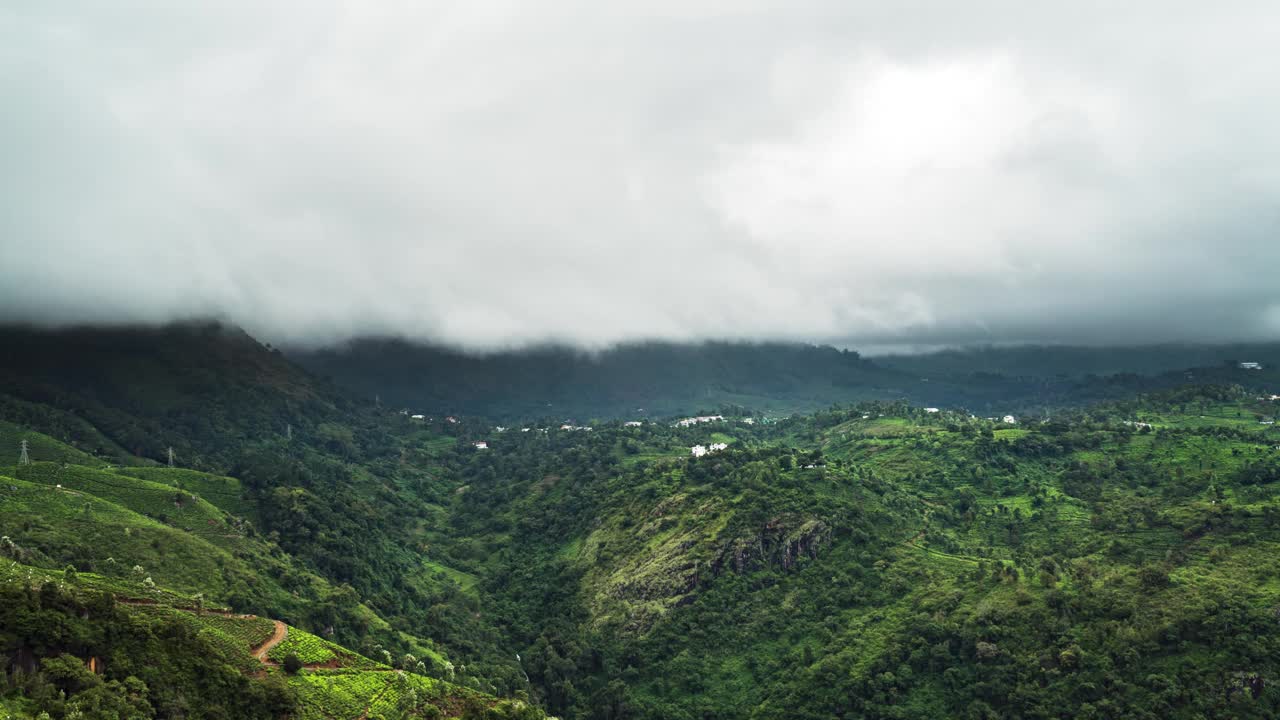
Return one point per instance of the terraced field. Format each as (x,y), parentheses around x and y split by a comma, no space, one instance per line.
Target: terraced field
(154,500)
(224,492)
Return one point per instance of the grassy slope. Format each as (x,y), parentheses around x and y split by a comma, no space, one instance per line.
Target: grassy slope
(225,492)
(39,447)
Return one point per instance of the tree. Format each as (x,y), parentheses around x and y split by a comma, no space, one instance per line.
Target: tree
(292,663)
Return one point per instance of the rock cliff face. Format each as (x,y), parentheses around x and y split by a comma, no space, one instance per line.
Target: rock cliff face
(670,562)
(781,542)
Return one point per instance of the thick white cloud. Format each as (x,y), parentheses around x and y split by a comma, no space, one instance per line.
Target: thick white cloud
(495,173)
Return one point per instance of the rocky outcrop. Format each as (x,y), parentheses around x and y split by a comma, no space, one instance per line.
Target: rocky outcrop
(780,543)
(681,560)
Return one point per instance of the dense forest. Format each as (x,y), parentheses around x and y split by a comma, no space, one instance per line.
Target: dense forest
(1109,555)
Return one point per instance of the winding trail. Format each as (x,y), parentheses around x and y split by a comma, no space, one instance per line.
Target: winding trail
(281,632)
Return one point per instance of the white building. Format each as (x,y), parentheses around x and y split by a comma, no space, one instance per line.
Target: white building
(700,450)
(698,420)
(1009,419)
(481,445)
(931,410)
(419,418)
(748,421)
(632,423)
(1250,366)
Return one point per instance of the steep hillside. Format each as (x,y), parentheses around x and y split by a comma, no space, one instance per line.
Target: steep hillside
(124,527)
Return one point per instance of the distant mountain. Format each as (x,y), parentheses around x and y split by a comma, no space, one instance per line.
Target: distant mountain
(637,380)
(146,389)
(662,379)
(1078,361)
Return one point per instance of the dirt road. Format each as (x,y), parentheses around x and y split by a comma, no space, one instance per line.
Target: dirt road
(277,637)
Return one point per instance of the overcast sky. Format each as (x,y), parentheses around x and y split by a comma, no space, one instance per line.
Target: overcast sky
(502,173)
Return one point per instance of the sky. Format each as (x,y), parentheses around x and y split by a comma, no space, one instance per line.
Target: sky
(499,174)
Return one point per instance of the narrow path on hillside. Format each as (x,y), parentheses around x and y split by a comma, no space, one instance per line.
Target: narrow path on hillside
(282,631)
(146,602)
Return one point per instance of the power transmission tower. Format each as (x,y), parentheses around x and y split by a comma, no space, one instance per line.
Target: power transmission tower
(288,432)
(377,401)
(170,456)
(24,458)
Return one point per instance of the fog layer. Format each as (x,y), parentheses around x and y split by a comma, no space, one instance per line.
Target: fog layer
(490,174)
